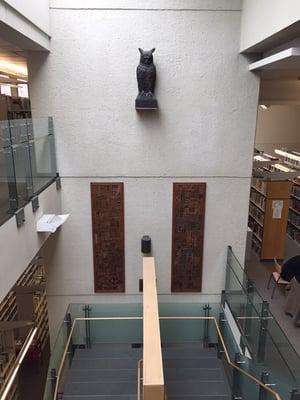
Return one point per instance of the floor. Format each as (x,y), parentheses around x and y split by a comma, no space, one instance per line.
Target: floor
(259,273)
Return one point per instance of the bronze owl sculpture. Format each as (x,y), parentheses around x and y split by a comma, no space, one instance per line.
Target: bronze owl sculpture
(146,77)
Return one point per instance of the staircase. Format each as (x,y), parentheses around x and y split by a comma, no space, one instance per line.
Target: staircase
(104,372)
(109,372)
(192,372)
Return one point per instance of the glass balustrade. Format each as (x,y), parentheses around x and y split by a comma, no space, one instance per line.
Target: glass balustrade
(27,162)
(266,348)
(91,326)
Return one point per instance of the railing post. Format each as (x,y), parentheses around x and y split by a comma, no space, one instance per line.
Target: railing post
(263,394)
(223,297)
(52,144)
(87,310)
(221,326)
(249,308)
(236,379)
(295,394)
(206,309)
(68,321)
(53,376)
(11,178)
(227,274)
(263,331)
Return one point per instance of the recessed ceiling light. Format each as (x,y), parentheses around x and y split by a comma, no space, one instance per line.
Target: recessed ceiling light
(4,76)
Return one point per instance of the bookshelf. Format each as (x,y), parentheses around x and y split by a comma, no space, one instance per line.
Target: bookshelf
(293,225)
(14,107)
(268,216)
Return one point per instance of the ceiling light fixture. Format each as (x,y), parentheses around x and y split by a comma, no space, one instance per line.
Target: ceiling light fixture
(11,68)
(287,154)
(264,106)
(4,76)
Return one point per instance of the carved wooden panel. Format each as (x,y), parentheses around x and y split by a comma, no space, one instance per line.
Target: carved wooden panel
(108,236)
(187,238)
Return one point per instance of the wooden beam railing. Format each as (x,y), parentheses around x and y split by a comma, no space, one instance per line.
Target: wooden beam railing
(153,376)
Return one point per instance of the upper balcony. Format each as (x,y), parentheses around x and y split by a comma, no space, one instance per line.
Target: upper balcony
(27,162)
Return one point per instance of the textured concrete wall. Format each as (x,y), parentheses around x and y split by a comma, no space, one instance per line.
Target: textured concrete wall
(203,131)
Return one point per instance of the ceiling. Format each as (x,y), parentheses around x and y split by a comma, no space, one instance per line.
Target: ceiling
(12,60)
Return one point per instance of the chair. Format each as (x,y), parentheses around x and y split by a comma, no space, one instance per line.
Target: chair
(276,275)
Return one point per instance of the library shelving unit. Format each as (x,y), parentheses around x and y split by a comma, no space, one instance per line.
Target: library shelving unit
(268,215)
(14,107)
(291,159)
(17,307)
(293,226)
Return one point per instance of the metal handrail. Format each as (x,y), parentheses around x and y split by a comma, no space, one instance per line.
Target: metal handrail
(140,362)
(229,362)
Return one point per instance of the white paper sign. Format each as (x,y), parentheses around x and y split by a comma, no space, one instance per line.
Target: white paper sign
(50,222)
(277,206)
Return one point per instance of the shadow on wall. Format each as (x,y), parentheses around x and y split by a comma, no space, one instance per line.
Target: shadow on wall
(151,119)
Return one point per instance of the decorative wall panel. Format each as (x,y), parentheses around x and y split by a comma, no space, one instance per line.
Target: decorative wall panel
(108,236)
(188,235)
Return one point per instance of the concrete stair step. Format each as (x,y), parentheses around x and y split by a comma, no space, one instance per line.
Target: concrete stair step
(101,388)
(196,388)
(199,397)
(201,374)
(100,397)
(108,353)
(187,352)
(203,362)
(102,375)
(104,363)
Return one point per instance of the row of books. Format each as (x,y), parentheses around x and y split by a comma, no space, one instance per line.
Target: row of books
(256,246)
(256,229)
(296,191)
(256,213)
(258,199)
(260,185)
(294,219)
(293,232)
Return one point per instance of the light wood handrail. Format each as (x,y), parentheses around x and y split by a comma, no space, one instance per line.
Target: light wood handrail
(153,376)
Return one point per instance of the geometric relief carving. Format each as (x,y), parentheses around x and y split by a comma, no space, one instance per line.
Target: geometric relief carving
(187,236)
(108,236)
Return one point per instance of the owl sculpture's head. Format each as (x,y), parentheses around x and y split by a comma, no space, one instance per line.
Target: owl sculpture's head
(146,56)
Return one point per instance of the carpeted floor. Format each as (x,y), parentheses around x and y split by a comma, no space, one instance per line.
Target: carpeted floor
(259,273)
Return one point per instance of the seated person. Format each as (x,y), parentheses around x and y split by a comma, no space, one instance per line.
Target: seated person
(291,268)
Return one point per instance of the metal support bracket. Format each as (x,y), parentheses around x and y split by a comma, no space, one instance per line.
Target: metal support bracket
(20,217)
(58,182)
(263,331)
(87,310)
(35,203)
